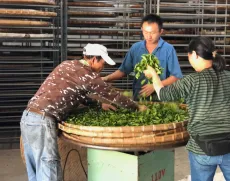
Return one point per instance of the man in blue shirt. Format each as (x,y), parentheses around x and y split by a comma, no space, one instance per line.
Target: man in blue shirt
(152,28)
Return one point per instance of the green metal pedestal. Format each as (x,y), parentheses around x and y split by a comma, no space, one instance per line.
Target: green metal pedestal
(106,165)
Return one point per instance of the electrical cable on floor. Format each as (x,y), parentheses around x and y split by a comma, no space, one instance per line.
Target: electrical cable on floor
(80,163)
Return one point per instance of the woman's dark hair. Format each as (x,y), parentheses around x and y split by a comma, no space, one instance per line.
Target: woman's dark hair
(153,18)
(91,56)
(205,48)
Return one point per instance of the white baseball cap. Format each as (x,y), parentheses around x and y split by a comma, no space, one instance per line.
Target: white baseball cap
(98,50)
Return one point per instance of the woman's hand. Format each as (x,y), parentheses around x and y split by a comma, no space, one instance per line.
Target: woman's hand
(149,72)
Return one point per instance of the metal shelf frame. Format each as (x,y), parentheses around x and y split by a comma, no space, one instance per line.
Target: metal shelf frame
(183,20)
(122,35)
(207,18)
(28,54)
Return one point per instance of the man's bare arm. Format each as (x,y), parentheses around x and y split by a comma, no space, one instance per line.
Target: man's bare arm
(114,76)
(170,80)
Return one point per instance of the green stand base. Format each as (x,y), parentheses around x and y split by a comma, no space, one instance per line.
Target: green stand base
(118,166)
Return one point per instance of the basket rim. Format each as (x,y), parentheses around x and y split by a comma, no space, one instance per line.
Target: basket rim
(158,127)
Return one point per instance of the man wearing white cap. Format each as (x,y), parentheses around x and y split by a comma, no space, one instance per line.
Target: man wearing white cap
(65,88)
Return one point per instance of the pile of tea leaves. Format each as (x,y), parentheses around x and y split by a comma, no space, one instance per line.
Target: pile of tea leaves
(147,60)
(157,113)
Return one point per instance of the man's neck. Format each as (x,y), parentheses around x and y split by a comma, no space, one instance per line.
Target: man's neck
(151,46)
(84,62)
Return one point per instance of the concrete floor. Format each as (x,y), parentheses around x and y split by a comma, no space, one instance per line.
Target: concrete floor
(13,169)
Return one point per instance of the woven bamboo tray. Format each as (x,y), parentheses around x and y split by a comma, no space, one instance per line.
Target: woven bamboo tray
(51,2)
(137,15)
(146,139)
(26,12)
(126,129)
(24,35)
(136,6)
(91,23)
(23,30)
(104,134)
(91,14)
(89,4)
(128,136)
(11,22)
(180,31)
(133,25)
(159,141)
(206,32)
(93,32)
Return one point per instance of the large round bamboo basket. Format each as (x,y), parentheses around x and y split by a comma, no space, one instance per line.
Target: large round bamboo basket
(123,129)
(133,141)
(128,136)
(125,147)
(105,134)
(73,168)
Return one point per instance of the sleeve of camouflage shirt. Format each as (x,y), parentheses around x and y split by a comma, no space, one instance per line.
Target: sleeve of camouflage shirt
(99,87)
(90,102)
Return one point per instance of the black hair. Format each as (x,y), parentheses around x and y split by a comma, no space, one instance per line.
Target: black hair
(91,56)
(153,18)
(204,47)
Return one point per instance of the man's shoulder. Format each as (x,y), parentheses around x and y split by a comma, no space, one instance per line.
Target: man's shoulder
(138,44)
(66,62)
(70,63)
(167,45)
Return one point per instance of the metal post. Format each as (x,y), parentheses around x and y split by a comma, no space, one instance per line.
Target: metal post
(158,7)
(150,6)
(225,28)
(64,29)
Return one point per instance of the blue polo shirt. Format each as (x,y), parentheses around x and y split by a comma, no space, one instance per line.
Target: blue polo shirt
(164,51)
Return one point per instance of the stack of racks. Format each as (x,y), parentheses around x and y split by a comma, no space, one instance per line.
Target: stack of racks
(116,24)
(107,23)
(184,20)
(29,51)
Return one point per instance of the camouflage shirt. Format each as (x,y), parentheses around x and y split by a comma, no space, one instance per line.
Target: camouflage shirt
(67,87)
